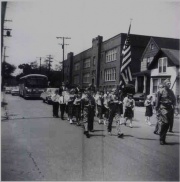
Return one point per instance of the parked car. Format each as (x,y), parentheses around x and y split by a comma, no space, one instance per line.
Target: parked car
(139,99)
(8,90)
(129,88)
(46,95)
(15,91)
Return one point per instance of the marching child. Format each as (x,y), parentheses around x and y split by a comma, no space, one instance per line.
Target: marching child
(55,100)
(113,111)
(149,109)
(78,108)
(99,102)
(70,105)
(106,107)
(129,104)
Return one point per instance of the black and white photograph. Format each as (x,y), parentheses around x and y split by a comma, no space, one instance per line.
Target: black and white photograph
(90,90)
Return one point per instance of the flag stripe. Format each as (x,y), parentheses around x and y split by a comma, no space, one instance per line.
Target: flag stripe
(125,74)
(126,64)
(126,50)
(126,56)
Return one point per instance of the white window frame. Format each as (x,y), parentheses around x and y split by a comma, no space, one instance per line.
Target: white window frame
(87,63)
(111,55)
(110,74)
(161,67)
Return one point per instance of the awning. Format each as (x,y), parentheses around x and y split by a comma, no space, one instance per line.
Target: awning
(142,73)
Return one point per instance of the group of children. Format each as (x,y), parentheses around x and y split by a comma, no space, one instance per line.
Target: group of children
(107,107)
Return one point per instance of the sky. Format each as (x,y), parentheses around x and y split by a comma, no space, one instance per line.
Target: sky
(36,24)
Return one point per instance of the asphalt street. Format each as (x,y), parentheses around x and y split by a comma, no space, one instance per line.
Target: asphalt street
(36,146)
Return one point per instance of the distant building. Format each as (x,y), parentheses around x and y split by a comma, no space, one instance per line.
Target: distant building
(100,64)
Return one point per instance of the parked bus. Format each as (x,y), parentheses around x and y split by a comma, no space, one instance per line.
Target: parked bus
(32,85)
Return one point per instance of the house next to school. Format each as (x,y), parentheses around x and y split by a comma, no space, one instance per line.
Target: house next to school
(159,61)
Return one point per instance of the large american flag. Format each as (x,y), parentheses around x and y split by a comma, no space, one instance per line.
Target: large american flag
(125,73)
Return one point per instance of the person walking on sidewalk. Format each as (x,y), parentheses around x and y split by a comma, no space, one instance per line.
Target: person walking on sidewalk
(165,109)
(149,109)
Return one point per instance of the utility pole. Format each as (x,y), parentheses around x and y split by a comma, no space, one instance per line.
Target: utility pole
(3,66)
(49,64)
(40,63)
(63,54)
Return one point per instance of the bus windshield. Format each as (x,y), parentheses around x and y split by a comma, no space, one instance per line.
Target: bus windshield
(39,82)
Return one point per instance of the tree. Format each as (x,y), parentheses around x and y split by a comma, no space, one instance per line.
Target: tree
(26,68)
(7,69)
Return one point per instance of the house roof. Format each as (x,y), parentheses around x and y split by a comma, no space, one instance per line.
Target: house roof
(172,54)
(168,43)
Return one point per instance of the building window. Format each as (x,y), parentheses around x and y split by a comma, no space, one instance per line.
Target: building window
(162,65)
(86,63)
(76,66)
(76,79)
(110,74)
(86,78)
(94,61)
(93,73)
(111,55)
(152,46)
